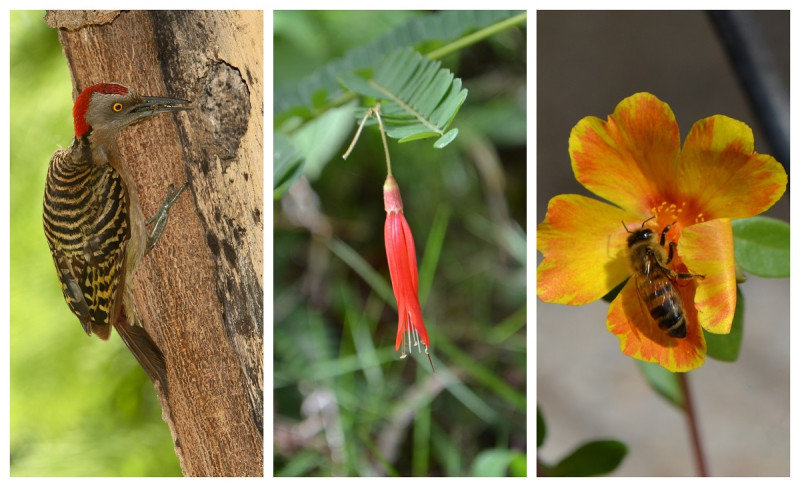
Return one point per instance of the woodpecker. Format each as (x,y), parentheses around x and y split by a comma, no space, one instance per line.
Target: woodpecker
(93,222)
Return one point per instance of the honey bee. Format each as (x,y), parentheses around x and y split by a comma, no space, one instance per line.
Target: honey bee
(655,282)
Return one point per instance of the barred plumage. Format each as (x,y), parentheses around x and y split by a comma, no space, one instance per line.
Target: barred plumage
(93,223)
(86,223)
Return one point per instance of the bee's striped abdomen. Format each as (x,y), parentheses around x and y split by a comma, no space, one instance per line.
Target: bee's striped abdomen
(665,306)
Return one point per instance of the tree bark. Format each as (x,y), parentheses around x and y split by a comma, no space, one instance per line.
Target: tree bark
(200,291)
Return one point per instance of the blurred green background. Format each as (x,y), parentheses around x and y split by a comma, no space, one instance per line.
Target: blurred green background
(344,403)
(79,407)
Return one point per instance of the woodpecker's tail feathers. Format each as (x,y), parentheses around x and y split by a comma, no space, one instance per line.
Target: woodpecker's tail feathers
(145,350)
(101,331)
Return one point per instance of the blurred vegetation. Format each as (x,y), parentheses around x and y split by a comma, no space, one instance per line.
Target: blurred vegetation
(79,406)
(344,403)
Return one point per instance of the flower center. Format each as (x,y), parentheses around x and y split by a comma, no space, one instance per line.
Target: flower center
(670,212)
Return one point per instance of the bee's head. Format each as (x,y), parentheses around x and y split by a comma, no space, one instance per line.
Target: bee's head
(641,235)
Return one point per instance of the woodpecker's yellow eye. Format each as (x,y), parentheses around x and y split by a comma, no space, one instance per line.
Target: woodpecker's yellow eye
(117,107)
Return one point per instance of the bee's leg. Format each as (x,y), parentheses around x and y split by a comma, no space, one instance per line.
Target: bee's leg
(680,275)
(686,275)
(677,275)
(671,248)
(664,236)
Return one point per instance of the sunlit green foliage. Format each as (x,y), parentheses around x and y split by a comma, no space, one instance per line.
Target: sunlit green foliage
(762,246)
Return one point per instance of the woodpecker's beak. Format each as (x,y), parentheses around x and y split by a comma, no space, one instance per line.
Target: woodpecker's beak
(153,105)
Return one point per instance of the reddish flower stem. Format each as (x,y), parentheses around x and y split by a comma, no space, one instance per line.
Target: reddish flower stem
(697,447)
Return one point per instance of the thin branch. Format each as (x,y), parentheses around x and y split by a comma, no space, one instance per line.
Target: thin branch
(697,447)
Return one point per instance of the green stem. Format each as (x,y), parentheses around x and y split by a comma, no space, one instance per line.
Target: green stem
(478,36)
(697,447)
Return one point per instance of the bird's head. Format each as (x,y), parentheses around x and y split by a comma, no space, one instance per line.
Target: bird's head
(108,107)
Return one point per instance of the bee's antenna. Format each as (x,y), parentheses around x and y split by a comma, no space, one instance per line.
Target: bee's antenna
(626,227)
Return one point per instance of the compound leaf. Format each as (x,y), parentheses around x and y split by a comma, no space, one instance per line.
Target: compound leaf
(419,98)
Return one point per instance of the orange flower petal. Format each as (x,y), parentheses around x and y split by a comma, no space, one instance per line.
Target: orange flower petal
(629,160)
(719,169)
(707,248)
(583,243)
(641,338)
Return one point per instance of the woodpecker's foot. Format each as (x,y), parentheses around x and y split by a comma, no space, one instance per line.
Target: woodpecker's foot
(159,220)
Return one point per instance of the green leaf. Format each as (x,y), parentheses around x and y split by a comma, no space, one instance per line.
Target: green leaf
(484,376)
(761,246)
(364,269)
(301,464)
(320,141)
(433,250)
(287,165)
(613,293)
(440,27)
(446,139)
(419,98)
(592,458)
(494,463)
(360,85)
(726,347)
(664,382)
(519,466)
(319,98)
(541,428)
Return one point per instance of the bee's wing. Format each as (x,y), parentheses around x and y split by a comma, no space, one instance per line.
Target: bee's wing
(655,282)
(659,297)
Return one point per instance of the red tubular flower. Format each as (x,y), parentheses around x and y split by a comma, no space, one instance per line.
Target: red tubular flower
(402,257)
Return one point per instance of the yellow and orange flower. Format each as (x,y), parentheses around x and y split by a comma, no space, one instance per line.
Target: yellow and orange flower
(402,257)
(635,161)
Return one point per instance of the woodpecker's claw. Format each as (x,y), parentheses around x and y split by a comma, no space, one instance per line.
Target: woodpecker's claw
(159,220)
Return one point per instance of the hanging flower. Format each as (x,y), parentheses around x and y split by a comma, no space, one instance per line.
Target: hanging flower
(634,160)
(402,257)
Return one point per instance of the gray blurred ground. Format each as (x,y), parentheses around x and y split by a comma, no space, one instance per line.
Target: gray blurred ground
(586,63)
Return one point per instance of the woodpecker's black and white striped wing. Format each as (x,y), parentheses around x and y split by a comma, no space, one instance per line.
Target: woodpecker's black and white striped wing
(87,227)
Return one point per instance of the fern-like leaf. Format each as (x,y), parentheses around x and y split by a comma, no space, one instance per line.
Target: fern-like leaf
(304,98)
(419,98)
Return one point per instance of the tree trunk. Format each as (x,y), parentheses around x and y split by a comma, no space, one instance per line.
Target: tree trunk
(200,291)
